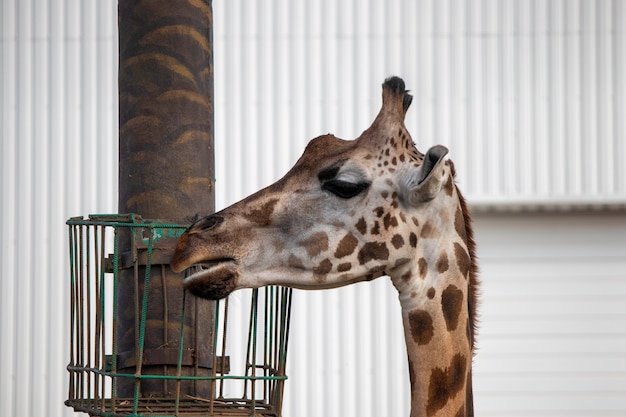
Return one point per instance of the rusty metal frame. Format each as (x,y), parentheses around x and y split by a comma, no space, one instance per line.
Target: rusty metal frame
(95,363)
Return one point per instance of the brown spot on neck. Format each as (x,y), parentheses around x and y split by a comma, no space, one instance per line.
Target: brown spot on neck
(463,260)
(459,224)
(346,246)
(451,306)
(295,262)
(401,261)
(316,243)
(344,267)
(262,214)
(361,226)
(373,251)
(446,383)
(422,267)
(323,268)
(406,276)
(397,241)
(421,326)
(429,231)
(442,263)
(390,221)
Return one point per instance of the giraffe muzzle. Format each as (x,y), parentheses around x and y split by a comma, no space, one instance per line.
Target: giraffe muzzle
(212,280)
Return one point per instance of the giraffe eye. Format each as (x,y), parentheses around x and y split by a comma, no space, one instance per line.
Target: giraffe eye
(344,189)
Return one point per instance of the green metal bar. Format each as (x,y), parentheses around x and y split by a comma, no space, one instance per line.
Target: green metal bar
(72,379)
(106,220)
(252,338)
(266,334)
(249,344)
(81,309)
(102,312)
(144,313)
(270,336)
(87,301)
(174,377)
(215,335)
(181,339)
(136,305)
(165,320)
(98,309)
(116,268)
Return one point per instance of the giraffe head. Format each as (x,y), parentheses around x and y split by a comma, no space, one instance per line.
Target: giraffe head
(351,211)
(348,211)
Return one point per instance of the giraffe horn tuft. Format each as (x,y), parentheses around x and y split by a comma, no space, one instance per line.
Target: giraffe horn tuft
(395,95)
(394,84)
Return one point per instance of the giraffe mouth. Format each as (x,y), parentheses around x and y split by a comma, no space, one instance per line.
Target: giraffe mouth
(212,280)
(201,269)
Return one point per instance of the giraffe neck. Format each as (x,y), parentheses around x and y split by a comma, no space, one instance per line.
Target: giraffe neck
(434,297)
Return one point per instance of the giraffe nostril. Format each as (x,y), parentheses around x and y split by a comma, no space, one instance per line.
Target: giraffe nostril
(207,223)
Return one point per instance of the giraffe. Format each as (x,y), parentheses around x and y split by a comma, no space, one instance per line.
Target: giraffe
(351,211)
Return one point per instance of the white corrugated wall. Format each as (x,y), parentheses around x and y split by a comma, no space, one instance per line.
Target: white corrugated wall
(529,96)
(58,122)
(553,320)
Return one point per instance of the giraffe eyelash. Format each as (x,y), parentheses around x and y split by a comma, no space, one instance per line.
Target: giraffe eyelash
(345,189)
(345,184)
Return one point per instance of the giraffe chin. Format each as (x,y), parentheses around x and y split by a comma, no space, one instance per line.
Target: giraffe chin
(214,283)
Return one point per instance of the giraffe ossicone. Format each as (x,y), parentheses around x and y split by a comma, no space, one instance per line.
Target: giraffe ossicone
(351,211)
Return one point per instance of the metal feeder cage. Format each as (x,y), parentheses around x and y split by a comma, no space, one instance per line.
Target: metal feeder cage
(104,381)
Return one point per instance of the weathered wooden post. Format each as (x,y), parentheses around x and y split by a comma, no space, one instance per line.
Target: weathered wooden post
(166,172)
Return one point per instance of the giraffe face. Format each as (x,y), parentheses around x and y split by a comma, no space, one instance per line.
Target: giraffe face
(347,211)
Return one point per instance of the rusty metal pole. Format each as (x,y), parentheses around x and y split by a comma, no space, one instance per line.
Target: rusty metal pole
(166,171)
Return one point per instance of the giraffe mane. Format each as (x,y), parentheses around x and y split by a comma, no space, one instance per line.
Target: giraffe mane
(473,272)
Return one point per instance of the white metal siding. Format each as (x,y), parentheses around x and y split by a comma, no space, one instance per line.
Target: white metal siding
(553,318)
(528,95)
(59,159)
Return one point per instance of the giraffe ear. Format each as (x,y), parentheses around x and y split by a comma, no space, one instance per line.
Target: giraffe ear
(426,181)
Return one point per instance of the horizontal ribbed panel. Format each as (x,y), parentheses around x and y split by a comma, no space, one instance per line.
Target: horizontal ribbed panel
(528,95)
(58,121)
